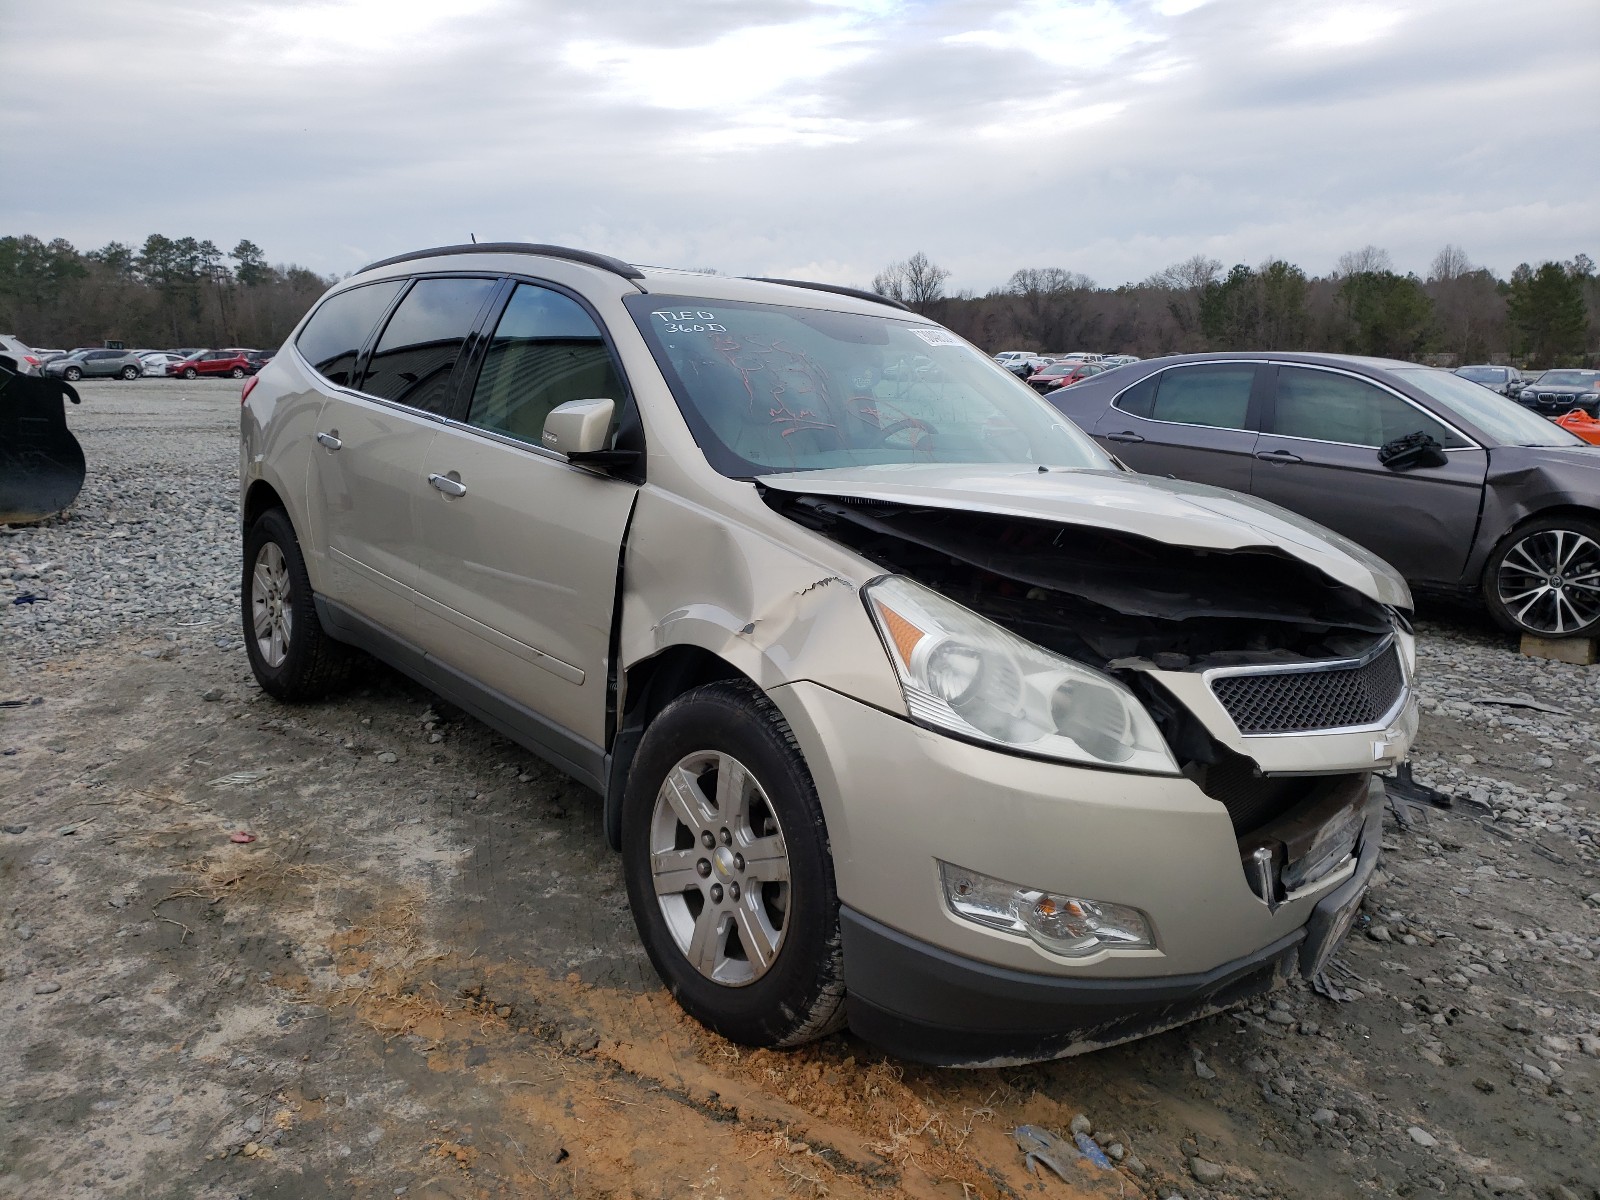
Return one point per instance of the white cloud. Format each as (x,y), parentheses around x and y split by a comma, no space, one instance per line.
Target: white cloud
(1347,25)
(825,137)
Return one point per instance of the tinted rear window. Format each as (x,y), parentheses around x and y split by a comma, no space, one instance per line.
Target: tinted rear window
(337,330)
(419,347)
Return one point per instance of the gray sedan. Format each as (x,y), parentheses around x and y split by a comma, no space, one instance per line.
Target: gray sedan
(95,364)
(1464,491)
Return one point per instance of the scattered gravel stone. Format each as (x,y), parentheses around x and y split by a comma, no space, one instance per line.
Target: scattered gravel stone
(1500,1184)
(1205,1171)
(1324,1116)
(1422,1137)
(46,989)
(388,756)
(1082,1124)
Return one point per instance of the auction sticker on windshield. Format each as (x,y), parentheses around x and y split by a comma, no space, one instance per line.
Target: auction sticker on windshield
(937,337)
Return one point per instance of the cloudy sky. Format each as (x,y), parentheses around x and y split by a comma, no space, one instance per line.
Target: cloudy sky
(813,138)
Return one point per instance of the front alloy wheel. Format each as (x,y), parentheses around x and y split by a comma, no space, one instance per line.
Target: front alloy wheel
(1544,579)
(730,877)
(720,868)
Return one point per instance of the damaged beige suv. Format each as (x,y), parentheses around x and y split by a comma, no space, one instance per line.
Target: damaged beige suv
(907,706)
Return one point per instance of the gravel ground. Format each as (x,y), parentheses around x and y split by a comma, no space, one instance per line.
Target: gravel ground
(420,978)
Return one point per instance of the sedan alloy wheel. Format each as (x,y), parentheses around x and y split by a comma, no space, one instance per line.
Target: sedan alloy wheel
(1548,581)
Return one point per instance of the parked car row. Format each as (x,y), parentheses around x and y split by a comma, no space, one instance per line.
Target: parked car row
(131,364)
(94,362)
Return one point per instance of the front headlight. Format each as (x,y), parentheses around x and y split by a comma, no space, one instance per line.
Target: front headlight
(967,675)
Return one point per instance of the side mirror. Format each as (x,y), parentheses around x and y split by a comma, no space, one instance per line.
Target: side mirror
(1412,451)
(578,427)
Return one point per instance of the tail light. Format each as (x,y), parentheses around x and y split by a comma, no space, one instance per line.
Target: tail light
(249,386)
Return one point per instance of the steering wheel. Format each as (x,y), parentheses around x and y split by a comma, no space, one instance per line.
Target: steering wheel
(905,423)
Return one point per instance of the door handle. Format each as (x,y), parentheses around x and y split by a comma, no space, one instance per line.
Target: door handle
(328,440)
(1124,436)
(1278,456)
(448,486)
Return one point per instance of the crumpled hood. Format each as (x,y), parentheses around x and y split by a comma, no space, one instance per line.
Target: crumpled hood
(1163,510)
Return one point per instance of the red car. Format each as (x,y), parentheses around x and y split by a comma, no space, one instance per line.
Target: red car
(232,363)
(1062,374)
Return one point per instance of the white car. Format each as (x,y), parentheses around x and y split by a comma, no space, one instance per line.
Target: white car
(156,362)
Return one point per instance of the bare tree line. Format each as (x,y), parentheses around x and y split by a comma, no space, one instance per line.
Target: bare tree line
(185,291)
(167,292)
(1542,316)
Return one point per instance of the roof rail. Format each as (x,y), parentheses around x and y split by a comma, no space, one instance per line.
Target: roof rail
(604,261)
(836,289)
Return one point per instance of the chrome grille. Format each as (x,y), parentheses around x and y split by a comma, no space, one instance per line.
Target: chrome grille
(1339,696)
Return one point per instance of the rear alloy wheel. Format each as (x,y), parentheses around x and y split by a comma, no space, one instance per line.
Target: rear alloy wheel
(237,372)
(129,373)
(293,659)
(72,374)
(729,874)
(1544,579)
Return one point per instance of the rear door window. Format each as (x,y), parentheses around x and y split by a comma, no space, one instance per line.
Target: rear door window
(1217,395)
(546,350)
(339,328)
(414,358)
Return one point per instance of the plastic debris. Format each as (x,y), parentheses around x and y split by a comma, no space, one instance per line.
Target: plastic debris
(242,838)
(1042,1146)
(1091,1150)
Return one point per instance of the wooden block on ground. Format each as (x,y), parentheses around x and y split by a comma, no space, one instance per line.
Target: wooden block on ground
(1580,651)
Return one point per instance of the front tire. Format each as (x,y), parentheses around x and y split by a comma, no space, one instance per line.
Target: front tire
(293,659)
(189,373)
(1544,578)
(729,873)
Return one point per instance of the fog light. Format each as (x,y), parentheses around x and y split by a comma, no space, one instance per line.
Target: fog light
(1071,926)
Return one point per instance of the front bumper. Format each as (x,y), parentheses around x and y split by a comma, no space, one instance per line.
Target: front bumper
(934,987)
(925,1004)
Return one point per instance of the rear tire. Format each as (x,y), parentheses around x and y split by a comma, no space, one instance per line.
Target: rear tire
(237,373)
(292,657)
(744,931)
(129,373)
(1544,578)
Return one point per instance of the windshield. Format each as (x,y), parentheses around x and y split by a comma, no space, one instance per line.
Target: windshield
(1483,374)
(1506,421)
(1569,378)
(768,388)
